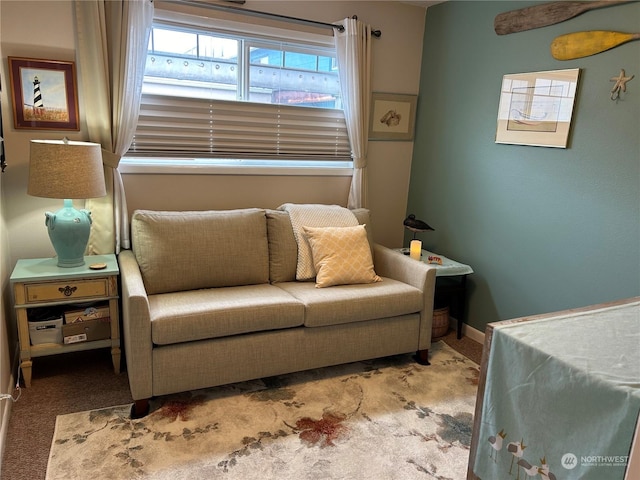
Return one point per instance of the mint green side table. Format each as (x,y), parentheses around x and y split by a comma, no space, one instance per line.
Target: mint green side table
(40,282)
(451,284)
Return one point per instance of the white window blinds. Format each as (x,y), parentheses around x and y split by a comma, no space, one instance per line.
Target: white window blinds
(182,127)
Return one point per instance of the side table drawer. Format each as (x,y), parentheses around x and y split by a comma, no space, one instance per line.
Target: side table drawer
(52,291)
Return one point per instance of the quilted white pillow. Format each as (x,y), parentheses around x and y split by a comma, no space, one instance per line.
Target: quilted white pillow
(341,255)
(314,215)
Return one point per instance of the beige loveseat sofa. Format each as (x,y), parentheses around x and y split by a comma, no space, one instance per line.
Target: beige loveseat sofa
(211,298)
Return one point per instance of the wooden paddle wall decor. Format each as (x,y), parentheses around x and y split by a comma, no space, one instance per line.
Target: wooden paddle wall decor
(546,14)
(582,44)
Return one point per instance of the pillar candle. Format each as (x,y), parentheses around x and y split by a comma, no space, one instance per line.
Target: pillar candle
(415,250)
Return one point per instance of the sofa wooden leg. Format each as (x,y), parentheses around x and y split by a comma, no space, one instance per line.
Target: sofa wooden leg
(140,408)
(422,357)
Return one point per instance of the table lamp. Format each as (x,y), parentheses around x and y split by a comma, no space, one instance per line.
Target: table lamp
(66,169)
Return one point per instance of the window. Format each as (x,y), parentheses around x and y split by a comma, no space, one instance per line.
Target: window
(216,94)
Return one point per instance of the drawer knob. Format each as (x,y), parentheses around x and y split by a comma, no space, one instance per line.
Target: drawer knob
(67,291)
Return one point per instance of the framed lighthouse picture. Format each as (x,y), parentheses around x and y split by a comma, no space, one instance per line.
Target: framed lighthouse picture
(45,96)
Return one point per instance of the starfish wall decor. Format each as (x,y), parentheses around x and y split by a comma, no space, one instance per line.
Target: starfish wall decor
(620,85)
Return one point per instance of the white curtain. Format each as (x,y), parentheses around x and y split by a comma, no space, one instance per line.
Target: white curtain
(353,46)
(113,36)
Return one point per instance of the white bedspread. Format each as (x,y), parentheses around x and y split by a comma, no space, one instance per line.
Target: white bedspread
(568,388)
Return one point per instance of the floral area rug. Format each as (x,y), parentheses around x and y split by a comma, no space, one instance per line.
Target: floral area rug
(389,418)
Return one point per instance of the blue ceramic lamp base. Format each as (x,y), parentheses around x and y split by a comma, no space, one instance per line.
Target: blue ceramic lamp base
(69,233)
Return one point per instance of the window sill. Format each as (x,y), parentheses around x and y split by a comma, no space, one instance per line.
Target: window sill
(137,166)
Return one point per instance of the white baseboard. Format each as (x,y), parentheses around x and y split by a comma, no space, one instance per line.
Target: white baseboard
(468,331)
(5,411)
(472,333)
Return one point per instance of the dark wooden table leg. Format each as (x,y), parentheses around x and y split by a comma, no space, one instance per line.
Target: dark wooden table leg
(462,299)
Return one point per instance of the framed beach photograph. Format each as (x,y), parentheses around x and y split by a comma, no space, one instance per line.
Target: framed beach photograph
(393,116)
(536,108)
(44,94)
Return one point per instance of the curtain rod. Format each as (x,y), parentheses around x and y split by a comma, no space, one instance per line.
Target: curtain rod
(256,13)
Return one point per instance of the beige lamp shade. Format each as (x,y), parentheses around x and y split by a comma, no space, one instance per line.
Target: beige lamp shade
(66,169)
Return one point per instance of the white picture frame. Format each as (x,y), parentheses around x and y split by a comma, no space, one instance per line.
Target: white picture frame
(536,108)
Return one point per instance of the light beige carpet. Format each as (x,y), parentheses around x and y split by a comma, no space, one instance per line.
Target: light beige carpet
(390,418)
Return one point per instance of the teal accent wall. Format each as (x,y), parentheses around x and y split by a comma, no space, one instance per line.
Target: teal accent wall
(544,229)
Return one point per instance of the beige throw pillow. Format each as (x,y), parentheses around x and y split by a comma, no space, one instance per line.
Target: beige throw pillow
(341,255)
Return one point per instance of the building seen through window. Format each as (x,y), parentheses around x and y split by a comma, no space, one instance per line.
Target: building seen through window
(202,64)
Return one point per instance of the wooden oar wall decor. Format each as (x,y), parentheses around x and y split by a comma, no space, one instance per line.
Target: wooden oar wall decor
(544,15)
(571,45)
(582,44)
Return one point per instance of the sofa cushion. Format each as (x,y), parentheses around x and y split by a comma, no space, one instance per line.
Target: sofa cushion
(341,255)
(364,218)
(219,312)
(180,251)
(283,249)
(354,303)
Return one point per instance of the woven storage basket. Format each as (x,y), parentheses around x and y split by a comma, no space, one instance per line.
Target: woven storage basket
(440,325)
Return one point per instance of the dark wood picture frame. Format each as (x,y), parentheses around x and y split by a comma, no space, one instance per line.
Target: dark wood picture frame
(3,163)
(45,94)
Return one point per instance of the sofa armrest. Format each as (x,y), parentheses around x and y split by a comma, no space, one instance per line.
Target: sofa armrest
(392,264)
(136,321)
